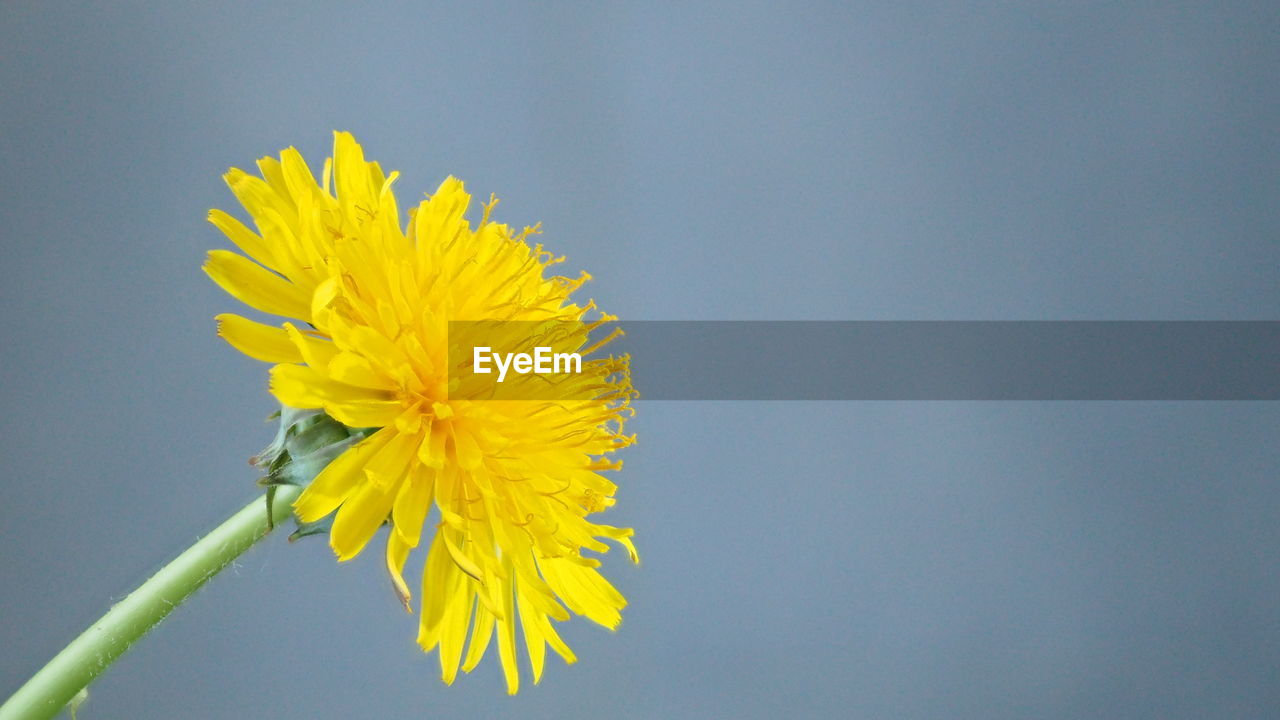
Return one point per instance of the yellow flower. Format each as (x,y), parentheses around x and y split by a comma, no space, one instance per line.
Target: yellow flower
(515,483)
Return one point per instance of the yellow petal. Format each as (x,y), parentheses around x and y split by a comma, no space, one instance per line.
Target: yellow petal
(466,449)
(465,564)
(351,173)
(554,640)
(582,590)
(360,516)
(254,193)
(431,452)
(296,386)
(622,536)
(411,506)
(301,386)
(364,413)
(338,479)
(327,294)
(507,640)
(387,200)
(481,632)
(244,238)
(439,220)
(316,352)
(533,640)
(271,172)
(390,463)
(453,632)
(352,369)
(258,341)
(440,579)
(397,554)
(256,286)
(297,176)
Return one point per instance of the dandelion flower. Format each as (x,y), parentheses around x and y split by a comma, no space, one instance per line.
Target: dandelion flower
(515,484)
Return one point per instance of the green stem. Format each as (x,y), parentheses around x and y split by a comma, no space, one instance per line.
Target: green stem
(71,670)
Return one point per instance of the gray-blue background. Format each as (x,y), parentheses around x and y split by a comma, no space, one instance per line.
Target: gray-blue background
(742,161)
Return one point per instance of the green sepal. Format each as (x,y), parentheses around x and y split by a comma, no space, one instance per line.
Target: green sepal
(306,442)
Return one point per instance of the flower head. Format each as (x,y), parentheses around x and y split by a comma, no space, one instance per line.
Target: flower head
(515,484)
